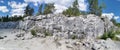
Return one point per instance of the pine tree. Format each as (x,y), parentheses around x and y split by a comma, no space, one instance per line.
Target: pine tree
(40,10)
(48,9)
(28,11)
(94,7)
(72,11)
(31,11)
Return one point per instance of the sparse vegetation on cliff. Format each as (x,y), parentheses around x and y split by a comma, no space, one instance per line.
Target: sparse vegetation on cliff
(33,32)
(111,34)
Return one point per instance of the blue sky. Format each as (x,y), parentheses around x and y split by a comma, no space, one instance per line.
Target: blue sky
(16,7)
(112,6)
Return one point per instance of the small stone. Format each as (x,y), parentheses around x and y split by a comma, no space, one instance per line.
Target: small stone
(67,42)
(93,48)
(1,37)
(5,36)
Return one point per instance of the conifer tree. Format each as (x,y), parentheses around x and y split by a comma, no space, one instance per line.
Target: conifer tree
(95,8)
(72,11)
(28,11)
(48,9)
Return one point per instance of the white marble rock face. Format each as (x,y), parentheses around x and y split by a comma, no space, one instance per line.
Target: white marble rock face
(88,25)
(85,27)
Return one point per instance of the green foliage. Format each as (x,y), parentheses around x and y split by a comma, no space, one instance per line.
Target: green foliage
(112,34)
(72,11)
(28,11)
(74,37)
(115,23)
(48,9)
(46,33)
(10,18)
(104,36)
(33,32)
(94,7)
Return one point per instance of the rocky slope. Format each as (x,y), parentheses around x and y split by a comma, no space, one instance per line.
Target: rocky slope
(85,29)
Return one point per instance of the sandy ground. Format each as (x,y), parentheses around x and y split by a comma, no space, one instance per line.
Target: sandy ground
(33,44)
(38,43)
(9,43)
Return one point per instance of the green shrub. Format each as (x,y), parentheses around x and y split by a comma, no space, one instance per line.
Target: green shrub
(33,32)
(115,23)
(74,37)
(46,33)
(104,36)
(111,34)
(72,11)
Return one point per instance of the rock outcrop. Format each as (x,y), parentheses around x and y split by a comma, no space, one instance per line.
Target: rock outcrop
(8,25)
(86,26)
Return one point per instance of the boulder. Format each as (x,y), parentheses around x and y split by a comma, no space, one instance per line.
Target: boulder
(1,37)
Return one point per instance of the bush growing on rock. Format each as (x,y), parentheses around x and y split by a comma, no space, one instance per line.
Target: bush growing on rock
(33,32)
(115,23)
(46,33)
(112,34)
(74,37)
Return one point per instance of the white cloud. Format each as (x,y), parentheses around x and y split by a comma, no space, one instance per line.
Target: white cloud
(4,9)
(109,15)
(36,2)
(82,5)
(1,1)
(17,8)
(61,5)
(59,8)
(116,17)
(13,4)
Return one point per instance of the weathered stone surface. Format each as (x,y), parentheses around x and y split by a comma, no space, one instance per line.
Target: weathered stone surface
(85,28)
(82,27)
(8,25)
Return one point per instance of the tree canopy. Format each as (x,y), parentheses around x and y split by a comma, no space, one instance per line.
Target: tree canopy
(28,11)
(72,11)
(47,9)
(95,7)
